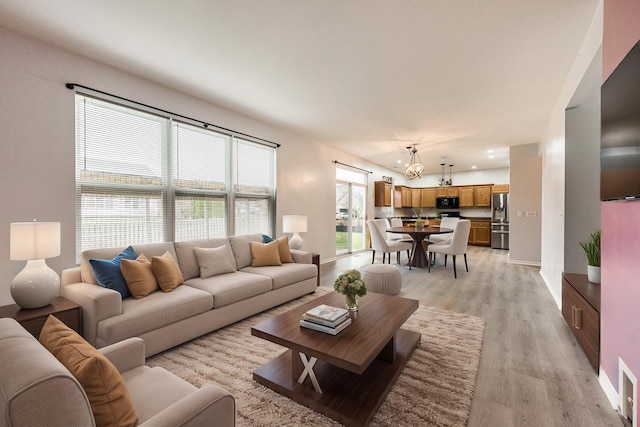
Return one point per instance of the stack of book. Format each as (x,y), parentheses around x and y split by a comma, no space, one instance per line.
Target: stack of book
(325,318)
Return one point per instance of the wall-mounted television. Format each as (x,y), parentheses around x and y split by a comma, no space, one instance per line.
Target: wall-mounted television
(620,132)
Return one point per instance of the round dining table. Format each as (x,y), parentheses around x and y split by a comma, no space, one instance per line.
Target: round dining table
(418,254)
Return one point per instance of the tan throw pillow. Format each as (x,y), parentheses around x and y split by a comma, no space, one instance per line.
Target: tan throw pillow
(265,254)
(284,251)
(139,277)
(107,393)
(214,261)
(167,272)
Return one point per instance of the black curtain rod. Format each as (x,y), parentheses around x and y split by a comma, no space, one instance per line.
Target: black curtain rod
(204,124)
(354,167)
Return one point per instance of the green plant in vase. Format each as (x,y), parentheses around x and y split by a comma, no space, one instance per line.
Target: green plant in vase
(592,251)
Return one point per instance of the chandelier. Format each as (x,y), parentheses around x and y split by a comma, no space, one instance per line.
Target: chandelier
(415,168)
(443,182)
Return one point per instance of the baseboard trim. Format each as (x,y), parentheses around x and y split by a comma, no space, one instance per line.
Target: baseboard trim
(522,262)
(557,298)
(609,389)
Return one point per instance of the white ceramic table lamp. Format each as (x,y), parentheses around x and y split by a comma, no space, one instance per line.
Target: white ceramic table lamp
(37,284)
(294,224)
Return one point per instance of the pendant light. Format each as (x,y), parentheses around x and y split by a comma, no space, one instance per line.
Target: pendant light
(442,182)
(415,168)
(450,182)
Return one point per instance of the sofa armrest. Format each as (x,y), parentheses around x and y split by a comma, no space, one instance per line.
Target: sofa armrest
(97,303)
(301,257)
(70,275)
(126,354)
(209,405)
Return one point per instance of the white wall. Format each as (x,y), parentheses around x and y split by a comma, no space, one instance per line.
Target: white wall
(485,176)
(525,204)
(553,164)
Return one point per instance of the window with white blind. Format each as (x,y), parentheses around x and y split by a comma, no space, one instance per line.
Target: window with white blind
(144,178)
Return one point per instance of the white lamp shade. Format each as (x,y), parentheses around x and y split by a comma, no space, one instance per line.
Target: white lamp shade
(294,223)
(34,240)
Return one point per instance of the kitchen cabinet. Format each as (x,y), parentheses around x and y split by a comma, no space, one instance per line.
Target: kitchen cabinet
(480,233)
(581,311)
(415,197)
(441,192)
(452,192)
(501,188)
(428,197)
(483,196)
(382,193)
(397,197)
(467,197)
(406,197)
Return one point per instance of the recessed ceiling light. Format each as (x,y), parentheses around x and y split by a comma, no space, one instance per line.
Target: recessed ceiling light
(473,167)
(492,156)
(398,161)
(489,151)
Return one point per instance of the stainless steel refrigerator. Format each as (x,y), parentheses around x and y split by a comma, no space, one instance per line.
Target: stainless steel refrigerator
(500,221)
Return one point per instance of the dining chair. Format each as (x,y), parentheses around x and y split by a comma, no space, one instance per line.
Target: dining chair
(446,222)
(379,241)
(397,222)
(457,245)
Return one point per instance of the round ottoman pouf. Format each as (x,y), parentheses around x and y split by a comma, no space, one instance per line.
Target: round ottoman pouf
(382,279)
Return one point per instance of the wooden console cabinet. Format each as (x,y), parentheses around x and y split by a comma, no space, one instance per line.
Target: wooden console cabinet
(33,319)
(581,311)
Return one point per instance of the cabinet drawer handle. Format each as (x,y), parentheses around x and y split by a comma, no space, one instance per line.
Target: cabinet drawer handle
(576,317)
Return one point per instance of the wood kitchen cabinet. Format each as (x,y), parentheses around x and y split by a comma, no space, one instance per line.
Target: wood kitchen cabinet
(397,197)
(452,192)
(581,311)
(480,233)
(415,198)
(467,197)
(500,188)
(382,193)
(406,197)
(428,197)
(483,195)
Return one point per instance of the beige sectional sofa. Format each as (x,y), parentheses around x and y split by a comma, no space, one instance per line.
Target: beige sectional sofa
(201,305)
(37,390)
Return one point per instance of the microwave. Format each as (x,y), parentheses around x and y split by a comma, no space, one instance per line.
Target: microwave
(447,202)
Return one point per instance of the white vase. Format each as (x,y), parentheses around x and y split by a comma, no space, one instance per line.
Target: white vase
(593,274)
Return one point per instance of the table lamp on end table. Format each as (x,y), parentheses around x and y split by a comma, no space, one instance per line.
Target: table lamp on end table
(37,284)
(294,224)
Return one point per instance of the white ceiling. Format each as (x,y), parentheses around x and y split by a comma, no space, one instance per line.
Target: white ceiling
(456,77)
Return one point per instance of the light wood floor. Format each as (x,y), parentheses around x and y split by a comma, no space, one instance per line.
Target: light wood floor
(532,371)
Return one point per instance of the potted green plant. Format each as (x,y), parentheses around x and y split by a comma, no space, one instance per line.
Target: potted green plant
(592,251)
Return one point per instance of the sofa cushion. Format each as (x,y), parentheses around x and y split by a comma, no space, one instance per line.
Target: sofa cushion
(154,311)
(186,255)
(167,273)
(265,254)
(232,287)
(106,390)
(155,389)
(214,261)
(242,250)
(285,252)
(139,276)
(108,274)
(286,274)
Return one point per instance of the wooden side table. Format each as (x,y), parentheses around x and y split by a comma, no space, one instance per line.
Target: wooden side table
(33,319)
(315,259)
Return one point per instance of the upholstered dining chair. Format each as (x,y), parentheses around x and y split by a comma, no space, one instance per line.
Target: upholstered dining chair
(457,245)
(446,222)
(379,241)
(397,222)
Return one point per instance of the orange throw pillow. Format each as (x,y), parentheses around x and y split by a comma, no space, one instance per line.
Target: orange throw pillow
(139,276)
(167,272)
(283,249)
(265,254)
(108,395)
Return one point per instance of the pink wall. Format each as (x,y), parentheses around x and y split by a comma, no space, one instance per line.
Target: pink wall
(620,309)
(620,305)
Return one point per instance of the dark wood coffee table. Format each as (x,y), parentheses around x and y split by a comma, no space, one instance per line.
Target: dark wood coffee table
(350,373)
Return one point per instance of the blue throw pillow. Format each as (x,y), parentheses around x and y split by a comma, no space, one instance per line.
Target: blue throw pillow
(108,273)
(267,239)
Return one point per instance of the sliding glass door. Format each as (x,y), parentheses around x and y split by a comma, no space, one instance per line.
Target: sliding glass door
(351,195)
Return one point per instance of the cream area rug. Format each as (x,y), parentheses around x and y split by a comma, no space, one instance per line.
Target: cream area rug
(435,388)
